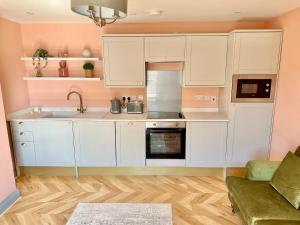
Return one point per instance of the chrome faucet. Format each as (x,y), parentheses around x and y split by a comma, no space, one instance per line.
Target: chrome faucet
(81,109)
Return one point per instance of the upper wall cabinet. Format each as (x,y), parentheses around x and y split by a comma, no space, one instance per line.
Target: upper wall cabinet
(257,52)
(124,62)
(164,49)
(206,60)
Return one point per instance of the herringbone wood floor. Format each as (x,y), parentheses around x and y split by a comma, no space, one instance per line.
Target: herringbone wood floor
(51,200)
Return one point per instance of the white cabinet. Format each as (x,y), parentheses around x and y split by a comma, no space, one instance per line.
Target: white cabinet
(257,52)
(206,144)
(130,144)
(249,132)
(124,61)
(53,143)
(206,60)
(164,49)
(95,144)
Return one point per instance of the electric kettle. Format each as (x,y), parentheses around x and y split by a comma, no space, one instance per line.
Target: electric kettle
(115,106)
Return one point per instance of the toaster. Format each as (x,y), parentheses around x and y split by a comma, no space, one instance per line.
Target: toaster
(135,107)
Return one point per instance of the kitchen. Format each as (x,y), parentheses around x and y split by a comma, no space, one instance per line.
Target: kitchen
(149,112)
(165,131)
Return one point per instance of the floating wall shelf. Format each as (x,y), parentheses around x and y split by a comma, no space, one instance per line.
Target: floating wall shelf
(63,78)
(64,58)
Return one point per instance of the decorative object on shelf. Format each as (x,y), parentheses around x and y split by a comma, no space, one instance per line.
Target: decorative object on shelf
(88,69)
(40,53)
(87,53)
(39,61)
(102,12)
(63,69)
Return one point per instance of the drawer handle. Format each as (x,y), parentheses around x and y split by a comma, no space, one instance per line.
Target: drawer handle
(130,123)
(23,144)
(20,123)
(21,133)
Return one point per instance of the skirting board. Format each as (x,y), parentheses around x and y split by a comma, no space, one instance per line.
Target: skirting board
(9,201)
(121,171)
(129,171)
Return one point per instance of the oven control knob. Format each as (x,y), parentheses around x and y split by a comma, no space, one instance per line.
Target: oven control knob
(154,124)
(267,90)
(268,85)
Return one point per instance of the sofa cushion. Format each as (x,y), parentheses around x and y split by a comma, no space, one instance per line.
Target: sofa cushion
(259,203)
(297,152)
(286,179)
(261,170)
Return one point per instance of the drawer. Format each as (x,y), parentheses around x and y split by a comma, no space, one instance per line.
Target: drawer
(23,136)
(22,125)
(24,153)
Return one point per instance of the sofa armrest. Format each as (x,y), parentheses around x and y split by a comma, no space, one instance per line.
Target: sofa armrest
(261,170)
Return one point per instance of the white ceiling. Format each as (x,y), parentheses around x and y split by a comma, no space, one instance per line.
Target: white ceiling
(55,11)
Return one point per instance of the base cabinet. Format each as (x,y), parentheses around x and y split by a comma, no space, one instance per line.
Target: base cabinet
(130,144)
(249,133)
(95,144)
(53,143)
(206,144)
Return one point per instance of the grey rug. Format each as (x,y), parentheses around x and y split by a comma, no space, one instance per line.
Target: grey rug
(121,214)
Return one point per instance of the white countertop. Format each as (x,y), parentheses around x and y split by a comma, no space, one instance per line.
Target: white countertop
(106,116)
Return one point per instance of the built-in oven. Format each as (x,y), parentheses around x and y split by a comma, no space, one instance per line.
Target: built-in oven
(253,88)
(165,140)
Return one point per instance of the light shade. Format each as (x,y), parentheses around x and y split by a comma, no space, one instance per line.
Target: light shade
(104,9)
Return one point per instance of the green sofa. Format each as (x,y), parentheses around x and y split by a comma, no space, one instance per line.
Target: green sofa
(255,201)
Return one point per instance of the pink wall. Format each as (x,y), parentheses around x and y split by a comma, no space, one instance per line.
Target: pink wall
(286,133)
(7,181)
(11,68)
(74,37)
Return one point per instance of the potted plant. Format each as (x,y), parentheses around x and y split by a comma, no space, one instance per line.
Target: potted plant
(88,69)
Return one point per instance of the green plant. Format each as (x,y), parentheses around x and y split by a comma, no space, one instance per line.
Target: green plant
(41,53)
(88,66)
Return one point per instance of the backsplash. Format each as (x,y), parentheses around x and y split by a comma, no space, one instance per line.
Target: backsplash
(96,95)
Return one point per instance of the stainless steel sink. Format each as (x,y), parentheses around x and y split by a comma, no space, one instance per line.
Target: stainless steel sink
(64,114)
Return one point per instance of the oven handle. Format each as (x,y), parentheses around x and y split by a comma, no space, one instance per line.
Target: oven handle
(165,130)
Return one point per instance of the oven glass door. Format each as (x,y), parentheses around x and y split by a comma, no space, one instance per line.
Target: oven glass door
(165,143)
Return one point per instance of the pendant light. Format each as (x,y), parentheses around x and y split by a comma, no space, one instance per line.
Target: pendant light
(102,12)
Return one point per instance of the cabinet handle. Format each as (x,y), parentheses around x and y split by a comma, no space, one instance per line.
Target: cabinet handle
(130,123)
(21,133)
(20,123)
(23,144)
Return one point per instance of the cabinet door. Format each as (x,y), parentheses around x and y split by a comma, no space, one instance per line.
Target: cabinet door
(24,153)
(250,133)
(206,61)
(95,144)
(124,63)
(164,49)
(206,144)
(53,141)
(257,53)
(131,144)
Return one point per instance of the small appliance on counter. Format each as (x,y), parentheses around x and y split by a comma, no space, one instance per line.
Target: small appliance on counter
(135,107)
(115,106)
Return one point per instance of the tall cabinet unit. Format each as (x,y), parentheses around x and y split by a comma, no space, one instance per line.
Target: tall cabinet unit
(124,61)
(250,127)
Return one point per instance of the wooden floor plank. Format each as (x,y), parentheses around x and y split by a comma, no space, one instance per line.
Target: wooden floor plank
(51,200)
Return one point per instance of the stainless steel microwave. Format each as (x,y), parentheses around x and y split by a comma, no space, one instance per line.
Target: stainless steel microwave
(253,88)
